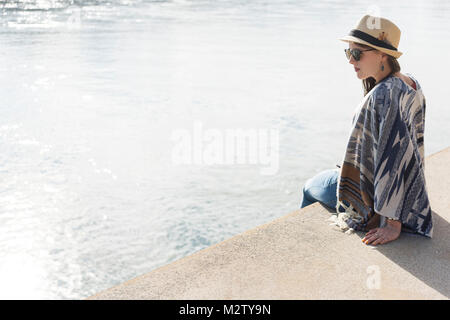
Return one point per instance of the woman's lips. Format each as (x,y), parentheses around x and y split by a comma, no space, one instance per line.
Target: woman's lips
(356,69)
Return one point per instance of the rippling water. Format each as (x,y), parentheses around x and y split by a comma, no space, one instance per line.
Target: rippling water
(92,92)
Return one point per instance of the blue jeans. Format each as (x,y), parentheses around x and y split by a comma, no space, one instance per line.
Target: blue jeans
(322,188)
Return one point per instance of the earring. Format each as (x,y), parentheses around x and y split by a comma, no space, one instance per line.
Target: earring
(382,67)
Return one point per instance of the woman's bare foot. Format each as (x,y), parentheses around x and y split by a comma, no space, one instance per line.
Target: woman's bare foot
(383,235)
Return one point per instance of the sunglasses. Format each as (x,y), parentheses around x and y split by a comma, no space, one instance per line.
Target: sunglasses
(355,53)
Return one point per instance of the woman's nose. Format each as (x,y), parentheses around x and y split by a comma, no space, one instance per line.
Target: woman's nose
(351,60)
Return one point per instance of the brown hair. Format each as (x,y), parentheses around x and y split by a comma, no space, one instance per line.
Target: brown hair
(369,83)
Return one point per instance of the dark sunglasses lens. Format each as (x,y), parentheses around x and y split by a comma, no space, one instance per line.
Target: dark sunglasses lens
(347,53)
(356,54)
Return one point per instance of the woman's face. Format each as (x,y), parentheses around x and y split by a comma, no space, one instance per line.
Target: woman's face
(369,63)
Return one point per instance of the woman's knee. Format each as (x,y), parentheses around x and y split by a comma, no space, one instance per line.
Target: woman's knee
(307,194)
(321,187)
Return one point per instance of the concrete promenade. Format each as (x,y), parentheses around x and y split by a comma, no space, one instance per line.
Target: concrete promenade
(300,256)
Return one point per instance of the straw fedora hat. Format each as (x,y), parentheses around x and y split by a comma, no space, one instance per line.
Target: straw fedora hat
(376,32)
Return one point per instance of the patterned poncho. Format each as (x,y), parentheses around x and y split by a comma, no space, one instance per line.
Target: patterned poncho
(382,174)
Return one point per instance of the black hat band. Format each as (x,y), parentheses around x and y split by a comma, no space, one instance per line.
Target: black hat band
(372,40)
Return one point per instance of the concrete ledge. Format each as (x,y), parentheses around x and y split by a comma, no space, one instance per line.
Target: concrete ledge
(300,256)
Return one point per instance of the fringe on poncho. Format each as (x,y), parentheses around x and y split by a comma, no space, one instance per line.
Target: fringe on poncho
(382,174)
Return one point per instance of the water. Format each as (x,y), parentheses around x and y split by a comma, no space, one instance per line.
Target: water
(92,92)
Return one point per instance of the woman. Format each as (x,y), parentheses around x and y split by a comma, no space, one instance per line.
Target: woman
(380,187)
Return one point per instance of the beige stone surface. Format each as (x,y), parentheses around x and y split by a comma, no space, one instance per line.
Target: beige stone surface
(300,256)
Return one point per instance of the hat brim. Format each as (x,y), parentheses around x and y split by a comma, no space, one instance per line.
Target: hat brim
(395,54)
